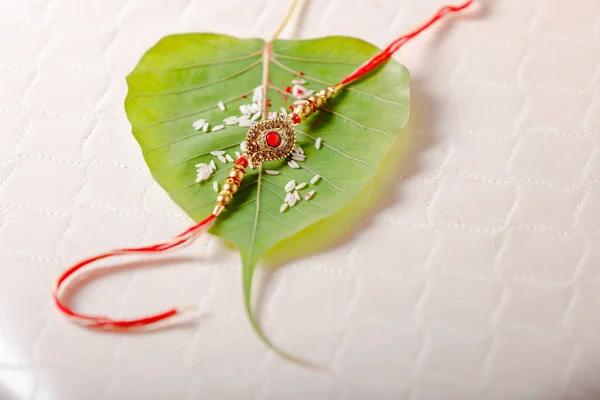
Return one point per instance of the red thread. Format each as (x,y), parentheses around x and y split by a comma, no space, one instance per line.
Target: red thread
(92,321)
(386,53)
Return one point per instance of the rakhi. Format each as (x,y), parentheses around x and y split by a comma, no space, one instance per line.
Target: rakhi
(267,140)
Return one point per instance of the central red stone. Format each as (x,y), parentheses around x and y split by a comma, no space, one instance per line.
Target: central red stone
(273,139)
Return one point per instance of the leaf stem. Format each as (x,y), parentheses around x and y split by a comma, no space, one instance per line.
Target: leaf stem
(286,19)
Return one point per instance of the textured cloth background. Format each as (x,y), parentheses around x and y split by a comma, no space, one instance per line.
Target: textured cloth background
(478,278)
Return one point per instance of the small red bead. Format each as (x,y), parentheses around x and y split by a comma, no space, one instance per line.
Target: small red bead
(273,139)
(243,161)
(296,118)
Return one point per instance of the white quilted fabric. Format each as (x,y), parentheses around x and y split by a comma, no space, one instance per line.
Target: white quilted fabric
(479,278)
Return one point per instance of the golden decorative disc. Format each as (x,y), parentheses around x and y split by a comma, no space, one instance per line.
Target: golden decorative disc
(257,147)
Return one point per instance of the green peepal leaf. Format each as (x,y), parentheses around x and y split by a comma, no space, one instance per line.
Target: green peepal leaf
(184,77)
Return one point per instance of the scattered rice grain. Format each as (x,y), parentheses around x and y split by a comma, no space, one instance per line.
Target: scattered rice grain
(205,127)
(216,186)
(217,128)
(293,164)
(212,164)
(288,197)
(221,106)
(231,120)
(290,186)
(292,201)
(254,107)
(297,195)
(243,121)
(238,154)
(301,186)
(309,195)
(318,143)
(257,95)
(272,172)
(243,146)
(199,124)
(222,159)
(217,153)
(229,158)
(256,116)
(315,179)
(283,207)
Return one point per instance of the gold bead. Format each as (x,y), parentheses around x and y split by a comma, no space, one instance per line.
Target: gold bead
(305,109)
(314,100)
(236,173)
(230,186)
(224,198)
(319,100)
(325,94)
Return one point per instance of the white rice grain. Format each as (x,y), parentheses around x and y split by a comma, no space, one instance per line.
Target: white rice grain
(243,121)
(257,95)
(297,195)
(271,172)
(229,158)
(284,112)
(301,186)
(222,159)
(217,153)
(230,120)
(290,186)
(298,157)
(256,116)
(205,127)
(243,146)
(199,124)
(221,106)
(309,195)
(315,179)
(212,164)
(283,207)
(288,197)
(238,154)
(292,201)
(318,143)
(245,109)
(217,128)
(254,107)
(293,164)
(216,186)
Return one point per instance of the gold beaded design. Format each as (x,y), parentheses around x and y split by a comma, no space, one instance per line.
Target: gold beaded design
(312,103)
(230,188)
(257,149)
